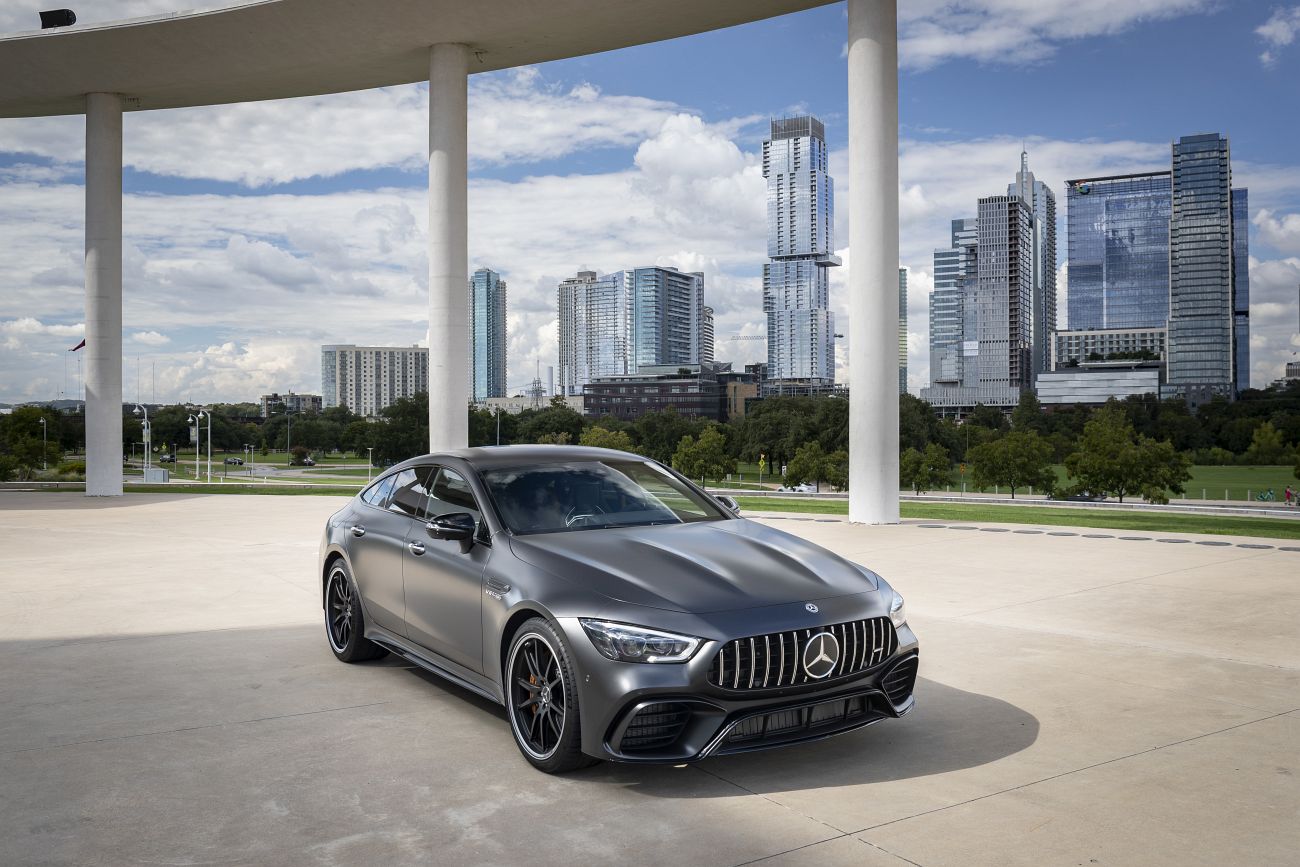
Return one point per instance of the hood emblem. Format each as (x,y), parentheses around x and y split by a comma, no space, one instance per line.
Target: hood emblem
(811,608)
(820,655)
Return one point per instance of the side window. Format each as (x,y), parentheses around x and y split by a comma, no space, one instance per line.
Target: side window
(451,493)
(410,491)
(377,494)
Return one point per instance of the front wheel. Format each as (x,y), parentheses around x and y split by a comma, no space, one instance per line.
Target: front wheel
(542,699)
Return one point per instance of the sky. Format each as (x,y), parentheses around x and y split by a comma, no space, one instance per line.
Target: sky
(255,233)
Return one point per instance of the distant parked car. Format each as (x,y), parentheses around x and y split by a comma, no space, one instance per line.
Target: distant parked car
(166,459)
(308,462)
(235,462)
(799,489)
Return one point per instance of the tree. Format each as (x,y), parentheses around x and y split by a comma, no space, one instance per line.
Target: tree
(1266,446)
(26,445)
(660,433)
(705,457)
(809,464)
(1028,414)
(558,418)
(1112,459)
(924,470)
(1019,459)
(604,438)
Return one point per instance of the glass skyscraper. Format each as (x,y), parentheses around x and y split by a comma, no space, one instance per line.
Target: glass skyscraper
(487,307)
(1004,273)
(1241,287)
(1118,251)
(667,316)
(902,330)
(640,317)
(1042,297)
(954,273)
(800,247)
(1202,275)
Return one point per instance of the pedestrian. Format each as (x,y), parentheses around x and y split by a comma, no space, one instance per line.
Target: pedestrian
(1289,494)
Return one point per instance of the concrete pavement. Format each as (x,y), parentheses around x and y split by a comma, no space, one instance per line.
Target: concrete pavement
(168,697)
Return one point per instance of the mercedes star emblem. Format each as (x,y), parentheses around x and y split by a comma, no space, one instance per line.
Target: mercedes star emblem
(820,655)
(811,608)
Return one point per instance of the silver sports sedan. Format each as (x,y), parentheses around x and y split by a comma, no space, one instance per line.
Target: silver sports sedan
(618,611)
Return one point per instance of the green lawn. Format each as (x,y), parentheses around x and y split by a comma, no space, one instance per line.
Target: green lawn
(1115,519)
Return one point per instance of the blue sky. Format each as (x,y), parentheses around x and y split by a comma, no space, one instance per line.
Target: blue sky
(256,233)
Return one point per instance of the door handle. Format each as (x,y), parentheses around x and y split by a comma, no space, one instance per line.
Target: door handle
(416,548)
(357,530)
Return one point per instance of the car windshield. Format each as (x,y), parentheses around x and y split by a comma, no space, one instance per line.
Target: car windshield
(589,495)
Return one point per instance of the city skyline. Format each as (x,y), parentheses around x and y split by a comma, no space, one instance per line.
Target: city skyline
(278,241)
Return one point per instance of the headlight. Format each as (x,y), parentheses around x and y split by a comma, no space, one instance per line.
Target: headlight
(624,643)
(897,613)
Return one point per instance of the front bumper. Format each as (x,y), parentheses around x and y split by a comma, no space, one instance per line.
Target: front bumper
(672,713)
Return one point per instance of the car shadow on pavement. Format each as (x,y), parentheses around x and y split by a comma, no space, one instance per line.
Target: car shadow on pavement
(949,729)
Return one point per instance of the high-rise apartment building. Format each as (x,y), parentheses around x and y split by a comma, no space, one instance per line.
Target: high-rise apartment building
(366,379)
(707,337)
(487,308)
(1241,287)
(1042,299)
(800,249)
(954,279)
(595,328)
(612,325)
(667,316)
(1004,275)
(1117,231)
(902,330)
(1202,274)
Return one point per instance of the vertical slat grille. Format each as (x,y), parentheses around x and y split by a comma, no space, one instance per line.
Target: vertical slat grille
(775,659)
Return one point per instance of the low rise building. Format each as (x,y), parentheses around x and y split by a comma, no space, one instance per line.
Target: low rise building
(705,390)
(1102,344)
(295,403)
(1092,383)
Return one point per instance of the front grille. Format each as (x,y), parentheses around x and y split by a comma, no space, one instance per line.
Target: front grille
(800,723)
(775,659)
(655,726)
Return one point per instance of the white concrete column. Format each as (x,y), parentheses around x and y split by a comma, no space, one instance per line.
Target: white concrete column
(873,261)
(103,295)
(449,325)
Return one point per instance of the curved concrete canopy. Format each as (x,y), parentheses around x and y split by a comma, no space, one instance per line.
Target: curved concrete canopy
(284,48)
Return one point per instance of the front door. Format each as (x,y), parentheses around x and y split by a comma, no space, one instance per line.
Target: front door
(444,579)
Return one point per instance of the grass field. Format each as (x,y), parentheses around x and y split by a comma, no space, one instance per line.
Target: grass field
(1113,519)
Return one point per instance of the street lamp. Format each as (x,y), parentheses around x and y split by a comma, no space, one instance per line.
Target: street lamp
(288,437)
(139,409)
(45,445)
(370,468)
(197,430)
(205,413)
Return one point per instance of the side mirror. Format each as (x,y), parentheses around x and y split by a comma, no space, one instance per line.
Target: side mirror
(729,502)
(457,526)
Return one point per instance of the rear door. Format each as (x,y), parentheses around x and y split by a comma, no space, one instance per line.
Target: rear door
(378,550)
(444,579)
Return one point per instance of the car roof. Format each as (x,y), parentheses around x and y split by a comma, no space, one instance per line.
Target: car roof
(490,457)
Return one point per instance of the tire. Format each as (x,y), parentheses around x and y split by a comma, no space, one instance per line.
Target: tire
(542,699)
(345,623)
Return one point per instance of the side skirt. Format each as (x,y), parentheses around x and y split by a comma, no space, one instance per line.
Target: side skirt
(435,664)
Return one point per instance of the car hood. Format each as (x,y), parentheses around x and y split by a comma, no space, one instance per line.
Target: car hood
(698,568)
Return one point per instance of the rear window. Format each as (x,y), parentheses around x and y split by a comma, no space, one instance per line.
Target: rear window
(377,494)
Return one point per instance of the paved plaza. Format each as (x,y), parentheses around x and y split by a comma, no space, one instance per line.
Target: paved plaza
(168,698)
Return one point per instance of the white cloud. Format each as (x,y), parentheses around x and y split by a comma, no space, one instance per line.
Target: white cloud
(151,338)
(1279,31)
(1279,231)
(1274,307)
(932,32)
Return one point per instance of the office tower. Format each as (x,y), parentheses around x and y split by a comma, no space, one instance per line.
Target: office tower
(595,328)
(487,307)
(902,330)
(1117,231)
(800,249)
(1042,207)
(1004,274)
(366,379)
(1202,308)
(667,316)
(954,275)
(1241,288)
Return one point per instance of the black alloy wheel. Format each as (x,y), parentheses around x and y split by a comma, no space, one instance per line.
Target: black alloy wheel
(344,622)
(541,699)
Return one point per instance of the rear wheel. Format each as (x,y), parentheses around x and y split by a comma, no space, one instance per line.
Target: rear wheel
(542,699)
(344,622)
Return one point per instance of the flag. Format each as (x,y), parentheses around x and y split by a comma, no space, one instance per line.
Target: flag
(78,346)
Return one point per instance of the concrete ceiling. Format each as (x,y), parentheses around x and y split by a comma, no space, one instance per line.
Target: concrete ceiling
(275,49)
